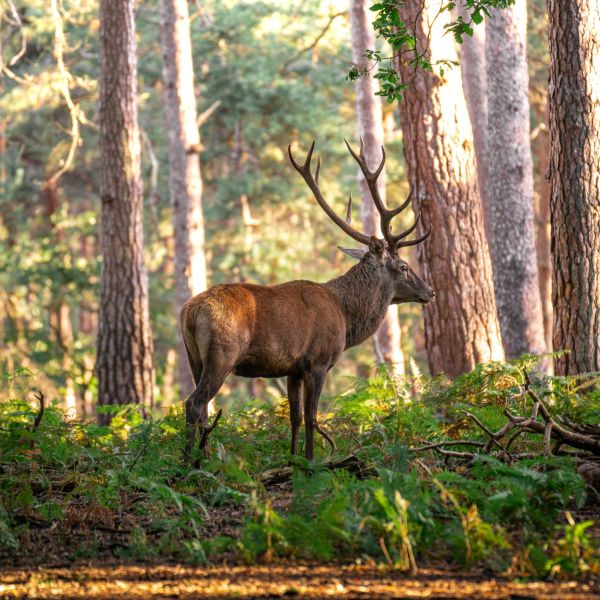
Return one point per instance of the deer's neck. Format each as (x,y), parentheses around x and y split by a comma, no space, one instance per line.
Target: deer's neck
(364,296)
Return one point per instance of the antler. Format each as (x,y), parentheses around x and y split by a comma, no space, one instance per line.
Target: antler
(313,184)
(394,241)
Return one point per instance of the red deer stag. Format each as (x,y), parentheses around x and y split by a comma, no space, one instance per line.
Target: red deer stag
(298,329)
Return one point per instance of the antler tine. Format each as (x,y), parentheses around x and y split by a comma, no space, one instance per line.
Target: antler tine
(405,204)
(381,164)
(304,170)
(401,236)
(370,178)
(318,169)
(349,210)
(386,215)
(414,242)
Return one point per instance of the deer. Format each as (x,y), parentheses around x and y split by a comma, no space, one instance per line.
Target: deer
(298,329)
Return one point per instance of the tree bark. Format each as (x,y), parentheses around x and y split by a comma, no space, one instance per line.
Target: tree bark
(574,107)
(370,127)
(461,325)
(473,70)
(510,183)
(124,356)
(544,257)
(185,183)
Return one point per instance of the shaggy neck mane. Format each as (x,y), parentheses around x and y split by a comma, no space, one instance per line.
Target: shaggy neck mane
(364,296)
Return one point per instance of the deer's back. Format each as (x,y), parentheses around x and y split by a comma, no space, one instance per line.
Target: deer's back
(272,330)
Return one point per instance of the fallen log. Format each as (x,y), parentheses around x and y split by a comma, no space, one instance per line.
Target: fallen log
(350,463)
(580,436)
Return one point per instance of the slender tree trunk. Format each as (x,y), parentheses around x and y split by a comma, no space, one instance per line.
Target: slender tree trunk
(185,183)
(473,69)
(574,106)
(510,183)
(544,257)
(370,127)
(124,356)
(461,325)
(60,312)
(88,326)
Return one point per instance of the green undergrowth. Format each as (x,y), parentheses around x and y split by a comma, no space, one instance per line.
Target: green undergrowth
(124,490)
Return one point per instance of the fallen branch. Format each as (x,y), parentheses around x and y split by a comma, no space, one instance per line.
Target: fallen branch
(350,463)
(582,437)
(206,431)
(39,396)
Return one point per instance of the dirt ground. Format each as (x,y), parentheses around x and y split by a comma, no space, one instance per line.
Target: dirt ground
(121,582)
(45,567)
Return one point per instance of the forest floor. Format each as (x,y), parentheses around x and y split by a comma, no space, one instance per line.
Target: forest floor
(113,512)
(45,567)
(281,580)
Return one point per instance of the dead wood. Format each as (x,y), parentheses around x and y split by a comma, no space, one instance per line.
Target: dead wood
(350,463)
(567,433)
(39,396)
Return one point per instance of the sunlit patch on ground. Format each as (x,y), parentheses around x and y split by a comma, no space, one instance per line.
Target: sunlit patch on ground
(274,581)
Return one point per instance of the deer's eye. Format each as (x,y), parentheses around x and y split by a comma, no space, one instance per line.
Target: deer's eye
(404,268)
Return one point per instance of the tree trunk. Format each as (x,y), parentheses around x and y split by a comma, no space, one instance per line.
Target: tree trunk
(185,183)
(574,106)
(473,70)
(510,184)
(59,311)
(461,325)
(124,357)
(544,257)
(370,127)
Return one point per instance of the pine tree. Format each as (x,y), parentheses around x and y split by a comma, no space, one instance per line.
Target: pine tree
(124,347)
(461,325)
(574,106)
(509,193)
(185,183)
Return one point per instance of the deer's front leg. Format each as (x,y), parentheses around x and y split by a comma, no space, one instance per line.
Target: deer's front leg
(313,384)
(294,388)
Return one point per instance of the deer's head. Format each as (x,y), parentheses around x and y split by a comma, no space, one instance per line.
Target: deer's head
(379,255)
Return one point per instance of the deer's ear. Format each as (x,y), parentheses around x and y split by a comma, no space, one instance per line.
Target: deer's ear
(357,253)
(376,246)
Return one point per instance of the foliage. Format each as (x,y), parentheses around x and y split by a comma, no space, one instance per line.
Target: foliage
(402,39)
(409,508)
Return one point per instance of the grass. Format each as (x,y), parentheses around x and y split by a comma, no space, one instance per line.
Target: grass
(123,492)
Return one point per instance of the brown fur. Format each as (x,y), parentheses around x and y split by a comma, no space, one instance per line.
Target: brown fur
(297,329)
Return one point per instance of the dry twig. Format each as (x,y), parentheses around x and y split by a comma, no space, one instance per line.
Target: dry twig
(582,437)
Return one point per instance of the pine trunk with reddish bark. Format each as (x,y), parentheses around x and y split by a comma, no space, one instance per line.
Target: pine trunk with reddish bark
(185,183)
(461,325)
(574,107)
(544,258)
(370,127)
(124,347)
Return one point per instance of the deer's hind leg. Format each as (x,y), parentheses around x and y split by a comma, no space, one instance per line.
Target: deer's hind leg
(196,366)
(313,384)
(214,372)
(294,387)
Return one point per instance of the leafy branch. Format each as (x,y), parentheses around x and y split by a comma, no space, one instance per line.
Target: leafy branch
(402,38)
